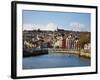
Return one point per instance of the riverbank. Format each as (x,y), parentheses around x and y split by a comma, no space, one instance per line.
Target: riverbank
(86,55)
(64,51)
(36,52)
(80,53)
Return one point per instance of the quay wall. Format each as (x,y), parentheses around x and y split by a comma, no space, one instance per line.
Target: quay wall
(78,52)
(32,52)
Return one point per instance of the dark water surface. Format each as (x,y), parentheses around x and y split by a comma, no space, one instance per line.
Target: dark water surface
(54,61)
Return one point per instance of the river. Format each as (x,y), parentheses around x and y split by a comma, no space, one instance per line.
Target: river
(55,61)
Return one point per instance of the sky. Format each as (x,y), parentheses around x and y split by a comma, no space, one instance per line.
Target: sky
(47,20)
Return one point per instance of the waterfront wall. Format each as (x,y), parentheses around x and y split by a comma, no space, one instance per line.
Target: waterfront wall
(34,52)
(81,53)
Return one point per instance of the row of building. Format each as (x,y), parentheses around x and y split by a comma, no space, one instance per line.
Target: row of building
(48,39)
(53,39)
(70,42)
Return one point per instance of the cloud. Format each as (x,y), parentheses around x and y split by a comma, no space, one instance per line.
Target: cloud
(27,26)
(49,26)
(75,26)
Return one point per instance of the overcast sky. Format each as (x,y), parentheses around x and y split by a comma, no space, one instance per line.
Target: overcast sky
(51,20)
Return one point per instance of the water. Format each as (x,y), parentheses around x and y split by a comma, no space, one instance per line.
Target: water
(54,61)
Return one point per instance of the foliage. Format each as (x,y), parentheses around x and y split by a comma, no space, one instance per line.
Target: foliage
(84,38)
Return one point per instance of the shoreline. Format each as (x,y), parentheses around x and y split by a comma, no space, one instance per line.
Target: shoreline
(55,51)
(80,53)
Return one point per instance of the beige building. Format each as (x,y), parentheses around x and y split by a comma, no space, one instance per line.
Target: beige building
(58,43)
